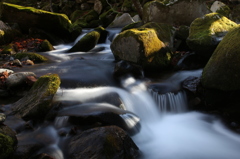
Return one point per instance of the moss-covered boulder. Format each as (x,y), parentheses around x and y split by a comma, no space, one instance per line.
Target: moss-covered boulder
(8,142)
(141,46)
(38,101)
(206,33)
(28,17)
(175,12)
(222,70)
(7,33)
(107,142)
(165,32)
(46,46)
(37,58)
(87,42)
(103,34)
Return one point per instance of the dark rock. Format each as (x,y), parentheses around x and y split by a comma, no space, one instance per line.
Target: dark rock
(123,68)
(106,114)
(191,84)
(103,142)
(2,118)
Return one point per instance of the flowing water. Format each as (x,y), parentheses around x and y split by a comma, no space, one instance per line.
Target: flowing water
(168,129)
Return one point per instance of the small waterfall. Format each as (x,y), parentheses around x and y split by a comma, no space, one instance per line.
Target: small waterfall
(61,121)
(170,102)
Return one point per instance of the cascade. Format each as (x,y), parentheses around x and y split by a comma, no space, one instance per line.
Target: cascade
(168,129)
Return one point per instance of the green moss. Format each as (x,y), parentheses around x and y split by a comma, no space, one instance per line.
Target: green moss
(32,56)
(222,70)
(132,25)
(9,49)
(77,14)
(6,146)
(46,46)
(107,17)
(87,42)
(224,10)
(206,32)
(34,10)
(51,81)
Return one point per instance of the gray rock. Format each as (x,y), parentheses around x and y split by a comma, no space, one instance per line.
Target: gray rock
(2,117)
(121,21)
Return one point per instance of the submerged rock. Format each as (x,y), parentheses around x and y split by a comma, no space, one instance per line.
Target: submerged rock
(141,46)
(206,33)
(107,142)
(106,114)
(37,102)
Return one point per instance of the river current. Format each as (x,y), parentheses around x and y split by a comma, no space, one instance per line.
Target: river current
(168,129)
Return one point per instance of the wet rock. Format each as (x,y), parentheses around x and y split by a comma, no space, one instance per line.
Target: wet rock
(123,68)
(106,114)
(177,12)
(8,142)
(87,42)
(121,21)
(103,34)
(106,18)
(191,84)
(206,33)
(107,142)
(18,81)
(143,47)
(38,101)
(88,20)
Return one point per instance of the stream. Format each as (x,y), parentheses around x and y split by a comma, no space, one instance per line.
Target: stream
(168,129)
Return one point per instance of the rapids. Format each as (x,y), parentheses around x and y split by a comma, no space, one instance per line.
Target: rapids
(168,129)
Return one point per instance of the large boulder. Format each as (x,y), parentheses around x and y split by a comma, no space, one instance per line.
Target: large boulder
(206,33)
(177,12)
(141,46)
(222,70)
(38,101)
(28,17)
(103,142)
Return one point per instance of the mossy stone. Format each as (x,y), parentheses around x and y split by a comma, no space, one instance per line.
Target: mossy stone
(103,34)
(29,17)
(38,101)
(87,42)
(222,70)
(165,32)
(77,14)
(8,142)
(132,26)
(37,58)
(206,33)
(141,46)
(9,49)
(46,46)
(107,17)
(88,20)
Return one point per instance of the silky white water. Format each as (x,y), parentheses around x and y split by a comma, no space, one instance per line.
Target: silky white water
(167,135)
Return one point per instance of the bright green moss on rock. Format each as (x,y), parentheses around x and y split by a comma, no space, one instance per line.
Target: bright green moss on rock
(38,101)
(37,58)
(87,42)
(141,46)
(46,46)
(206,33)
(222,70)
